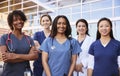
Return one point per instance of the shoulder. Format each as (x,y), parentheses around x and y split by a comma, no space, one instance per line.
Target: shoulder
(5,36)
(73,40)
(95,43)
(116,42)
(48,39)
(39,33)
(90,38)
(29,37)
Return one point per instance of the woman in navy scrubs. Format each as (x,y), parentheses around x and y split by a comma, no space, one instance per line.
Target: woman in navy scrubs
(39,37)
(16,47)
(104,52)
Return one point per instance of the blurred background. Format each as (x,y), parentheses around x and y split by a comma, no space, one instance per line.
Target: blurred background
(91,10)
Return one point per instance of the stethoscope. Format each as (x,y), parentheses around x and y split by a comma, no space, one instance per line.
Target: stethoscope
(10,48)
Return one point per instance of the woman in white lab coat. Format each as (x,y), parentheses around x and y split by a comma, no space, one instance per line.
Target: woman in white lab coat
(85,41)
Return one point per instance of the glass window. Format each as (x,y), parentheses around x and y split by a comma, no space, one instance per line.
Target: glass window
(64,11)
(85,7)
(52,5)
(101,4)
(117,30)
(75,17)
(101,13)
(86,15)
(93,30)
(117,2)
(74,34)
(76,9)
(68,17)
(117,12)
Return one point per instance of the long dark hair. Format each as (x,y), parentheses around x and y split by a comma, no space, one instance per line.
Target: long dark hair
(86,24)
(109,21)
(54,26)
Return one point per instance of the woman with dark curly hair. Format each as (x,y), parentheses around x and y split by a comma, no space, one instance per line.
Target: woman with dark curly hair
(16,47)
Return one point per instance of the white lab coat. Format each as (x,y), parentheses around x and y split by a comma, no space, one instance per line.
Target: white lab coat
(83,57)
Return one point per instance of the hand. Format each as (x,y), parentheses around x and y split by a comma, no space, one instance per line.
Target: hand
(78,67)
(6,56)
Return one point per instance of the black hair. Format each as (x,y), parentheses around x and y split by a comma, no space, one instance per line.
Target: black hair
(54,26)
(13,14)
(110,22)
(86,23)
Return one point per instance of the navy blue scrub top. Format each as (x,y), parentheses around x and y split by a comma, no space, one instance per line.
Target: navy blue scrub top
(38,68)
(105,58)
(20,47)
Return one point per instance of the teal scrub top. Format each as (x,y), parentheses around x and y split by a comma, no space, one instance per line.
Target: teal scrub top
(59,55)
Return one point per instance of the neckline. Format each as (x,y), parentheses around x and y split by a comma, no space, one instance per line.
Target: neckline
(60,42)
(105,45)
(18,38)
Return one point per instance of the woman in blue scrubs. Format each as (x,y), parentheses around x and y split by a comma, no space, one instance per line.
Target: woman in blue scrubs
(39,37)
(59,51)
(16,47)
(104,58)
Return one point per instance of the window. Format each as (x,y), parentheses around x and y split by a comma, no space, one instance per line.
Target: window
(74,34)
(75,17)
(101,4)
(117,12)
(86,15)
(85,7)
(93,30)
(101,13)
(76,9)
(117,2)
(116,30)
(64,11)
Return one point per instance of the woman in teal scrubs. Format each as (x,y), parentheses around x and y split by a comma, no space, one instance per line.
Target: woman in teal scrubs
(59,51)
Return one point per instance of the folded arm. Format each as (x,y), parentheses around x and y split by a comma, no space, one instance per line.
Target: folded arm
(13,57)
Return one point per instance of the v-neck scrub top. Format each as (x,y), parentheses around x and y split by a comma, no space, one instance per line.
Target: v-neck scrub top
(105,58)
(59,55)
(21,47)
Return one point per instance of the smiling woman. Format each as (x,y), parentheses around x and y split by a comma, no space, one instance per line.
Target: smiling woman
(59,51)
(17,48)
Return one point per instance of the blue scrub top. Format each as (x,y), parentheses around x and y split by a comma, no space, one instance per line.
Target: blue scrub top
(59,55)
(39,36)
(38,68)
(21,47)
(105,58)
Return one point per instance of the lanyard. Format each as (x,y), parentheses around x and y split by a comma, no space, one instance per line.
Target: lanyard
(10,48)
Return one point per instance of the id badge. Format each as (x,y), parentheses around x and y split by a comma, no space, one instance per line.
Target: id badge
(27,73)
